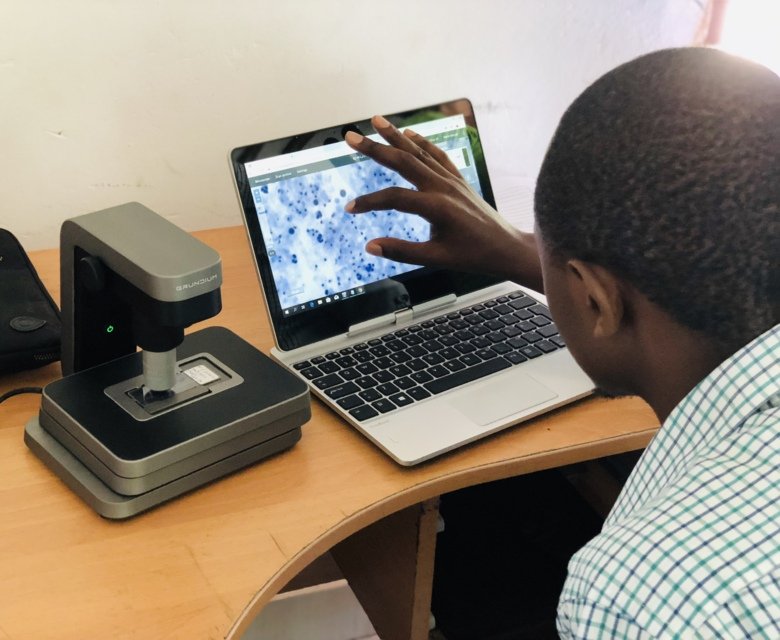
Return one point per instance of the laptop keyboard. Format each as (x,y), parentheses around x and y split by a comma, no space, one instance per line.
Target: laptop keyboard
(428,358)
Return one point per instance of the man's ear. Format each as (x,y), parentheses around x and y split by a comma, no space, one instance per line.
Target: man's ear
(600,293)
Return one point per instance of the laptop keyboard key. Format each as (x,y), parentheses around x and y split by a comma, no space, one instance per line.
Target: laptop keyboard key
(549,330)
(433,358)
(329,367)
(301,365)
(465,347)
(511,332)
(545,346)
(400,357)
(400,370)
(311,373)
(384,362)
(529,352)
(486,354)
(363,412)
(521,303)
(454,365)
(383,405)
(418,393)
(366,368)
(449,354)
(369,395)
(383,376)
(501,348)
(416,351)
(467,375)
(422,376)
(341,390)
(380,350)
(413,340)
(328,381)
(540,309)
(531,336)
(433,345)
(349,374)
(364,356)
(404,383)
(350,402)
(464,335)
(558,340)
(396,345)
(417,365)
(438,371)
(366,382)
(470,360)
(318,360)
(516,343)
(346,361)
(387,389)
(401,399)
(516,358)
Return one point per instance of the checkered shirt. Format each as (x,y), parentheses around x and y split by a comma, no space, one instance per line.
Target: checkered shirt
(691,548)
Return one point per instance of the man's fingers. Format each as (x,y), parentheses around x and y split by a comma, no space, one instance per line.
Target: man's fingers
(408,165)
(398,198)
(405,142)
(438,154)
(423,253)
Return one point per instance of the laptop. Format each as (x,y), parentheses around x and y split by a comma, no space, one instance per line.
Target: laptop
(419,360)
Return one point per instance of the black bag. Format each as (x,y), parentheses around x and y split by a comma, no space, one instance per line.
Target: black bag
(29,320)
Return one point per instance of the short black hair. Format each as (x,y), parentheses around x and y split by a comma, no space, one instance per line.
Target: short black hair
(666,171)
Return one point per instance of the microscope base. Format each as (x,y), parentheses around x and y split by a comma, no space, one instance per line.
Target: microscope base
(115,506)
(123,457)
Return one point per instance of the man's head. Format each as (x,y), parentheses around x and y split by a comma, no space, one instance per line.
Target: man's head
(665,173)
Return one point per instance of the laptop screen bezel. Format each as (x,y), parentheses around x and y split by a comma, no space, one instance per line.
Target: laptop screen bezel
(391,294)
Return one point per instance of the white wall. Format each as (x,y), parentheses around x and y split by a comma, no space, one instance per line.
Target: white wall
(106,101)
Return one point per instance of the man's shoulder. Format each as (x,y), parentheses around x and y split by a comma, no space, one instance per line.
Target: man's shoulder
(679,559)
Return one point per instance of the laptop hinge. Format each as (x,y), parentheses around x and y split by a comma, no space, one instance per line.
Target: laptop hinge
(370,325)
(402,317)
(434,305)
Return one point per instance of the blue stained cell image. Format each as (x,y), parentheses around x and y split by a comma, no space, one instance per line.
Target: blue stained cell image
(318,247)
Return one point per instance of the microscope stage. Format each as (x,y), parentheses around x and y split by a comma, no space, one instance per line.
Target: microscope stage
(234,407)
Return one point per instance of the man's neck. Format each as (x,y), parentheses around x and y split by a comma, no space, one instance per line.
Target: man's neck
(675,359)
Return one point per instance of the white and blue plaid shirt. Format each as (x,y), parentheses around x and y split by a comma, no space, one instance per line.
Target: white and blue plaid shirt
(691,548)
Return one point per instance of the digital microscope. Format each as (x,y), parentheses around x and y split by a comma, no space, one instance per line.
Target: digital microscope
(128,429)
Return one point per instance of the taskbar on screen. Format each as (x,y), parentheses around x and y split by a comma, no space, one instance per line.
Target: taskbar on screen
(327,299)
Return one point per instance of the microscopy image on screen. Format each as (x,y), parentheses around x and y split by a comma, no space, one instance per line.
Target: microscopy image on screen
(314,246)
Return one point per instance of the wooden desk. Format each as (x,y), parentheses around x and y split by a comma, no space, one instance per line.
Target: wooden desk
(204,565)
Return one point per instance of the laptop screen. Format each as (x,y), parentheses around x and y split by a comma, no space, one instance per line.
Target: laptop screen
(316,274)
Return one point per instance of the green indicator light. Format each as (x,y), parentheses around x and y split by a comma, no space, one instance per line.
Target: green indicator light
(110,328)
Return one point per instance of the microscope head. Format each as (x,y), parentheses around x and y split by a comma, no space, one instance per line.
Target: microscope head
(129,278)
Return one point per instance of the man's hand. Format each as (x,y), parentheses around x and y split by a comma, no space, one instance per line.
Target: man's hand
(466,233)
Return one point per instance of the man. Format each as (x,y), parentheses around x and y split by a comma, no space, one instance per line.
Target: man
(657,215)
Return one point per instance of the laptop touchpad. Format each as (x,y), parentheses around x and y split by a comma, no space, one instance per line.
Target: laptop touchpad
(501,397)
